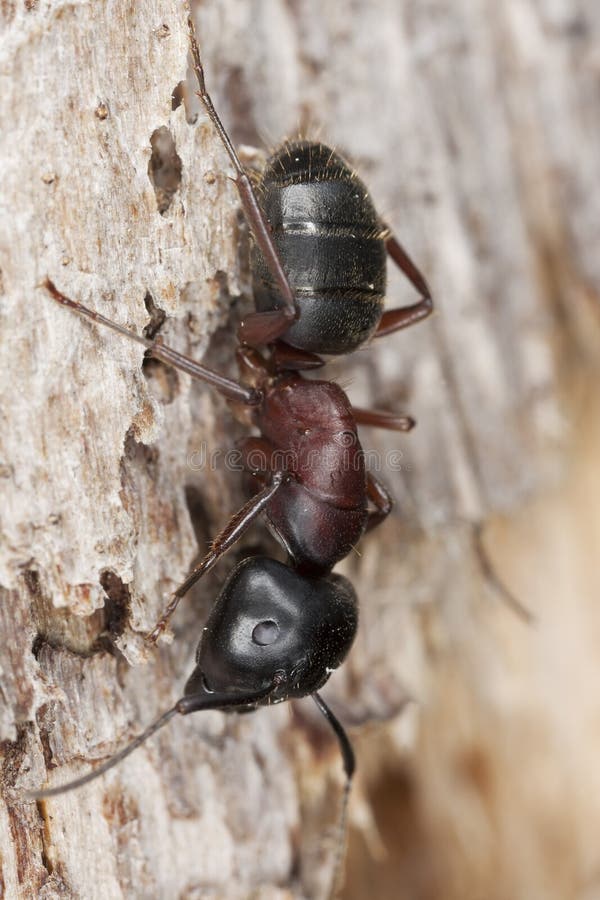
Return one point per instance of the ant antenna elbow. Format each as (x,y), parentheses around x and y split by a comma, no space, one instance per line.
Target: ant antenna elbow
(113,761)
(349,767)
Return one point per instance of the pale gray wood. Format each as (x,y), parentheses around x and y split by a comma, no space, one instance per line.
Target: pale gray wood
(475,125)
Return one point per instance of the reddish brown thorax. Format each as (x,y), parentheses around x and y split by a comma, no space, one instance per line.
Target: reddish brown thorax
(311,432)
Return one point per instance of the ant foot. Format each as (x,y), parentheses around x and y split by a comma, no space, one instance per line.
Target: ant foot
(158,630)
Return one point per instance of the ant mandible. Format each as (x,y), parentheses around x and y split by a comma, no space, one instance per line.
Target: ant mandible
(277,632)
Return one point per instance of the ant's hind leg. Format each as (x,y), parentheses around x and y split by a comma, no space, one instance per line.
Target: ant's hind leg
(287,358)
(233,390)
(381,499)
(233,531)
(264,327)
(376,419)
(404,317)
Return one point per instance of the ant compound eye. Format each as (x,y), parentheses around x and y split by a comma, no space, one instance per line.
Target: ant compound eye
(265,633)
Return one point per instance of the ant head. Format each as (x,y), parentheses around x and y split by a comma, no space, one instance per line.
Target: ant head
(271,625)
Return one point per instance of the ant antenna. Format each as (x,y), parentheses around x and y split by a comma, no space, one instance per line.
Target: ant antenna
(187,704)
(113,761)
(349,766)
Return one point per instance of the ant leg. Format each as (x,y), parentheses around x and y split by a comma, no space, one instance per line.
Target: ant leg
(257,328)
(381,499)
(231,389)
(286,358)
(235,528)
(395,319)
(252,366)
(383,419)
(283,359)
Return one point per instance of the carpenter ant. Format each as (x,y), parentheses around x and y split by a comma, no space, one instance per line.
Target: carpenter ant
(276,632)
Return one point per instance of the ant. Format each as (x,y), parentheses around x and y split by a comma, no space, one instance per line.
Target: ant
(276,631)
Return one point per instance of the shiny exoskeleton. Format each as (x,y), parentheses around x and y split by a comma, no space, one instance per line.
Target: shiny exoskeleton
(277,631)
(268,616)
(320,512)
(316,494)
(332,244)
(319,257)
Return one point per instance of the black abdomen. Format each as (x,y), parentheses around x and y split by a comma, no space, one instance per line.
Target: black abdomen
(331,244)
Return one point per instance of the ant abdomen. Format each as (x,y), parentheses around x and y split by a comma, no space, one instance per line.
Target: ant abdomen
(331,242)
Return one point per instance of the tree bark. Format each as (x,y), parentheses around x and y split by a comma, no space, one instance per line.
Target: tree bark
(474,125)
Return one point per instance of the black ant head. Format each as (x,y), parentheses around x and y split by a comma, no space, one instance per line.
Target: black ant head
(272,626)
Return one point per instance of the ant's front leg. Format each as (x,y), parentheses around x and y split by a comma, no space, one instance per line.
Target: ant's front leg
(381,500)
(233,531)
(395,319)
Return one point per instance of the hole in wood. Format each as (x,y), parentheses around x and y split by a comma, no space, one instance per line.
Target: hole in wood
(164,168)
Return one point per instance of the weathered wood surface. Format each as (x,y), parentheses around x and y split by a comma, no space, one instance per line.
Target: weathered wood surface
(475,125)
